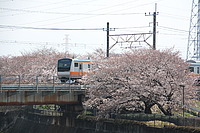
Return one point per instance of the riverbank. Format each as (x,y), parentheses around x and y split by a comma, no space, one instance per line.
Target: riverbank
(26,122)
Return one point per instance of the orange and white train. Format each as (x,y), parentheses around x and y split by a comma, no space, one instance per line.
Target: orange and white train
(72,69)
(194,67)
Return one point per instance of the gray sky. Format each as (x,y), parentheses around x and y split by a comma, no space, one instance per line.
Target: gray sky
(127,16)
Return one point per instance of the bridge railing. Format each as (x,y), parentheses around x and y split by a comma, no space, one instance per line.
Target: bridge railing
(10,79)
(35,82)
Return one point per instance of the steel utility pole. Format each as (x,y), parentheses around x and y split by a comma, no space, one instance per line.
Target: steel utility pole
(107,30)
(154,30)
(155,13)
(107,51)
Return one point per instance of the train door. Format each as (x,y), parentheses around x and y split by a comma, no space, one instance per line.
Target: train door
(78,69)
(81,69)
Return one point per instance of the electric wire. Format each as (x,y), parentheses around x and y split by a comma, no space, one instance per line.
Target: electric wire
(107,12)
(44,5)
(174,29)
(32,11)
(43,43)
(34,7)
(174,16)
(22,10)
(37,28)
(42,28)
(172,34)
(175,7)
(72,14)
(29,11)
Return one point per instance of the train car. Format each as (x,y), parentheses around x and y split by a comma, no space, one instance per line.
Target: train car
(72,69)
(194,68)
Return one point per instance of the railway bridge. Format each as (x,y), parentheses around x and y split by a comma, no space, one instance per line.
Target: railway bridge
(38,90)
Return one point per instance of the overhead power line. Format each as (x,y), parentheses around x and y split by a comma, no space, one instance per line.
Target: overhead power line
(133,27)
(42,28)
(174,16)
(36,28)
(64,13)
(175,29)
(45,43)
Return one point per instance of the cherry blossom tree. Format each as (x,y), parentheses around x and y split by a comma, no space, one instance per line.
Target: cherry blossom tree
(41,62)
(138,80)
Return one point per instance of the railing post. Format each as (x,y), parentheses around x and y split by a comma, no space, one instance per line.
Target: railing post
(1,83)
(54,84)
(19,81)
(37,83)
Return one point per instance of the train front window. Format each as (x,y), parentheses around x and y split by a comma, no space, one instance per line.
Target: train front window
(64,65)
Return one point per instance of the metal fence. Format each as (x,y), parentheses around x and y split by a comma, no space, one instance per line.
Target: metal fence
(159,119)
(154,120)
(28,79)
(35,82)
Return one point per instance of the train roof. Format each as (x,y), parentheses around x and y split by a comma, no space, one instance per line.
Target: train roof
(76,59)
(191,61)
(81,59)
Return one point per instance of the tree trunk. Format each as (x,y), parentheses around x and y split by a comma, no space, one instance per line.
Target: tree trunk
(148,106)
(165,111)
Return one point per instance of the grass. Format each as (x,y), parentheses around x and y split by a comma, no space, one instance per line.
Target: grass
(158,124)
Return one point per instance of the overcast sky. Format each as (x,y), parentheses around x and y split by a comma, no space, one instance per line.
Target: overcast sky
(127,16)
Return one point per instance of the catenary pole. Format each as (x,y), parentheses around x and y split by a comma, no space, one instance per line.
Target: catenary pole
(107,52)
(154,28)
(155,13)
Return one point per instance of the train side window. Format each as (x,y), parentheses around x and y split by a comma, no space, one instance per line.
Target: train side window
(75,64)
(197,70)
(191,69)
(88,65)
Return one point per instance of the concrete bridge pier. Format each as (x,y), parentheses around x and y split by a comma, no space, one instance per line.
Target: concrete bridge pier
(70,114)
(71,111)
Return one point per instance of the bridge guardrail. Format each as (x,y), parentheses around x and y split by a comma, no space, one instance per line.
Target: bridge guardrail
(36,83)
